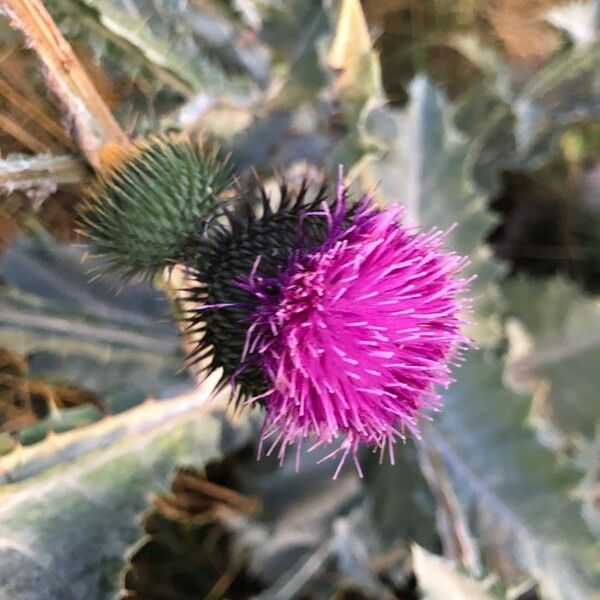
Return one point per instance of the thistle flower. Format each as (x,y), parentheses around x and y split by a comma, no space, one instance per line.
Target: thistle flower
(337,319)
(346,337)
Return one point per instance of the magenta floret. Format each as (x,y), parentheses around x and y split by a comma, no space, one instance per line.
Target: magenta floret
(355,336)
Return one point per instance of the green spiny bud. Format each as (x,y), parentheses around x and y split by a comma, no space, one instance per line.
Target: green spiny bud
(152,204)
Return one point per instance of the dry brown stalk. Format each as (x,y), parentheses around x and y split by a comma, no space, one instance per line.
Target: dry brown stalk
(31,109)
(28,140)
(88,119)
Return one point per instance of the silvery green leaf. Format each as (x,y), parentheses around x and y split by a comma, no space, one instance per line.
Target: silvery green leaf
(143,38)
(293,31)
(120,347)
(522,130)
(403,507)
(438,578)
(64,533)
(517,500)
(554,349)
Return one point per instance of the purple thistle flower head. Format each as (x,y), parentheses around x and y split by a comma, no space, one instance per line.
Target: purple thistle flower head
(355,334)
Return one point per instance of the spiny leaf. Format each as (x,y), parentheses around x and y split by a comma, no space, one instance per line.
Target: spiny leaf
(293,31)
(206,28)
(74,332)
(520,128)
(517,498)
(56,339)
(357,85)
(26,400)
(65,446)
(565,90)
(173,58)
(554,352)
(439,578)
(65,532)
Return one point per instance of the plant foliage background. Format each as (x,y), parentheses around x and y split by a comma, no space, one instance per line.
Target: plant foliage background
(119,480)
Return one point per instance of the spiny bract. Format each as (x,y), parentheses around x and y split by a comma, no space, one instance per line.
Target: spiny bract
(220,306)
